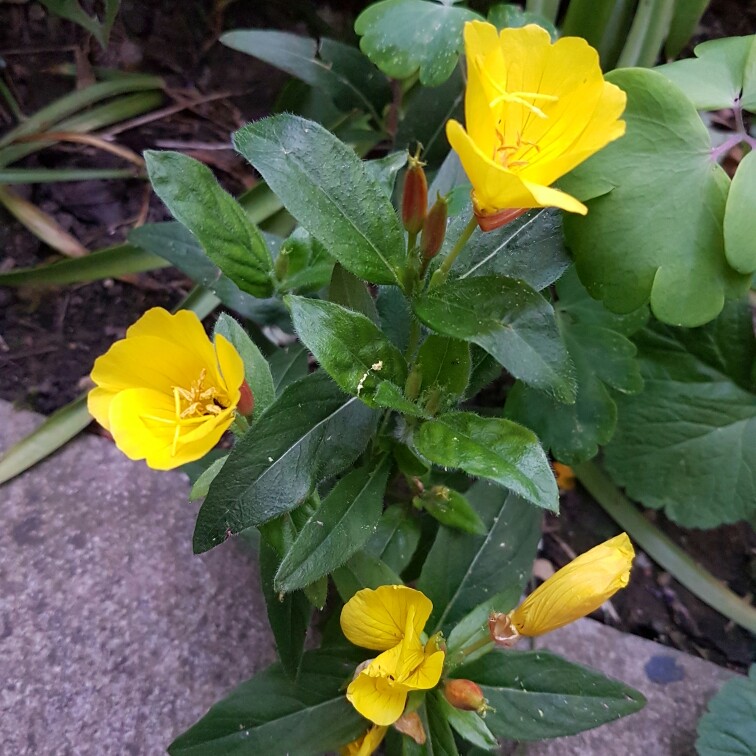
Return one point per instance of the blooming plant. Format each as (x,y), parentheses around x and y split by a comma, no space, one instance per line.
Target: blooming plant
(385,489)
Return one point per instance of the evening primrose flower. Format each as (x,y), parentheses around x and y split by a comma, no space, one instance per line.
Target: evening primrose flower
(534,110)
(391,617)
(576,590)
(166,392)
(365,744)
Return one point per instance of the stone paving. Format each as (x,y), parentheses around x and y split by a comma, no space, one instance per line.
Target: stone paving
(114,637)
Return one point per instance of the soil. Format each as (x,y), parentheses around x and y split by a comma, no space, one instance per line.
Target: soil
(50,337)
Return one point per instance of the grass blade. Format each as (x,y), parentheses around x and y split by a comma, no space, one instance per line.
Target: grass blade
(55,175)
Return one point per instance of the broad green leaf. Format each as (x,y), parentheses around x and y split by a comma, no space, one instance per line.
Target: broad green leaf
(509,16)
(310,433)
(385,170)
(350,292)
(511,321)
(530,248)
(287,366)
(403,37)
(492,448)
(452,509)
(303,263)
(662,172)
(201,485)
(729,725)
(484,370)
(687,443)
(440,740)
(256,369)
(603,359)
(462,570)
(349,347)
(395,538)
(337,529)
(537,694)
(722,74)
(341,72)
(363,571)
(739,223)
(467,724)
(394,314)
(444,364)
(176,244)
(326,187)
(196,200)
(273,714)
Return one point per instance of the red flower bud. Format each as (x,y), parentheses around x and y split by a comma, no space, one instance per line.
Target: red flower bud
(434,228)
(246,400)
(414,196)
(466,695)
(492,221)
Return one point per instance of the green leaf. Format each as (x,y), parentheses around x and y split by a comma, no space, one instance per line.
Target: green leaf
(395,538)
(385,170)
(287,366)
(684,24)
(310,433)
(201,485)
(326,187)
(363,571)
(350,292)
(467,724)
(394,314)
(687,443)
(176,244)
(273,714)
(739,227)
(444,364)
(349,347)
(662,172)
(537,694)
(305,263)
(256,369)
(337,529)
(452,509)
(72,11)
(342,72)
(462,570)
(484,370)
(395,36)
(530,248)
(721,74)
(603,359)
(507,16)
(511,321)
(196,200)
(440,737)
(729,725)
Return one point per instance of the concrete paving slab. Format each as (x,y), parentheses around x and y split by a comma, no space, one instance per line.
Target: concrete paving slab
(114,637)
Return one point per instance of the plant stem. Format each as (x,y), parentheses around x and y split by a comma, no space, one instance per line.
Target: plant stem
(443,271)
(663,551)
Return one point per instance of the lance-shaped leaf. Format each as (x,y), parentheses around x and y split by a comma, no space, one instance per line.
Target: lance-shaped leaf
(337,529)
(536,694)
(287,366)
(662,172)
(445,365)
(350,348)
(463,569)
(363,571)
(326,187)
(467,724)
(310,433)
(499,450)
(395,539)
(440,736)
(405,36)
(508,319)
(349,291)
(220,224)
(273,714)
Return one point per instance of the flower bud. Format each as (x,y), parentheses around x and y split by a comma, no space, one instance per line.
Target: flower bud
(434,228)
(414,196)
(492,221)
(411,725)
(565,476)
(246,400)
(503,633)
(466,695)
(413,383)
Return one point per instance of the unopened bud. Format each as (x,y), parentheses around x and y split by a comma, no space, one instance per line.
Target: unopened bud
(246,403)
(502,631)
(435,643)
(492,221)
(466,695)
(434,228)
(414,196)
(433,402)
(411,725)
(413,383)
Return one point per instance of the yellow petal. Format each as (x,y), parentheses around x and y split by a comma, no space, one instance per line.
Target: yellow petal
(366,744)
(378,699)
(577,589)
(231,367)
(98,404)
(428,673)
(377,619)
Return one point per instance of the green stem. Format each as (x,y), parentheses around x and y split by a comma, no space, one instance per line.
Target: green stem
(443,271)
(662,550)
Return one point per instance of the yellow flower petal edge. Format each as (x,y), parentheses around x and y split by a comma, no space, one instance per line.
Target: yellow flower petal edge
(366,744)
(377,618)
(534,110)
(579,588)
(166,392)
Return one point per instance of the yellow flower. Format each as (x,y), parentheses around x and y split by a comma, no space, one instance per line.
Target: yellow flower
(579,588)
(392,618)
(166,393)
(534,110)
(366,744)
